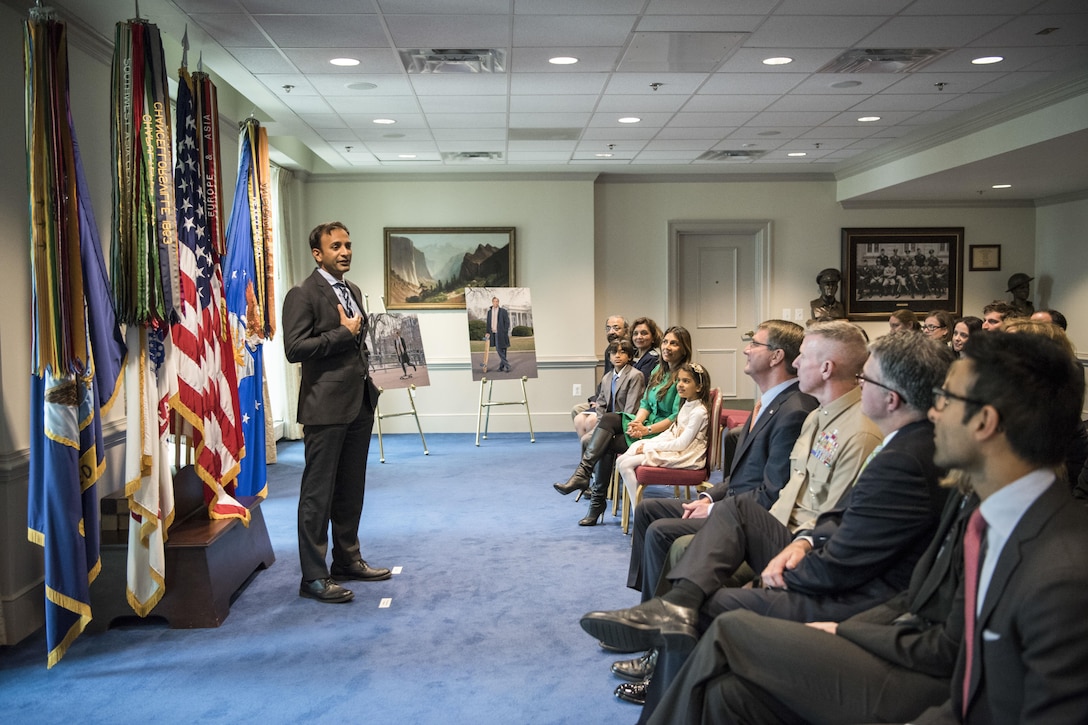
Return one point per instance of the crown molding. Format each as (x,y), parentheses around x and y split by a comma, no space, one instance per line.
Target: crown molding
(986,115)
(937,204)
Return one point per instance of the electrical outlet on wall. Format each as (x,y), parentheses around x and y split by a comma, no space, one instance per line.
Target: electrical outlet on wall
(576,390)
(799,315)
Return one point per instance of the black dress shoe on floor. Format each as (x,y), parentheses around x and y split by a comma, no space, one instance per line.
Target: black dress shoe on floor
(636,670)
(359,571)
(325,590)
(655,623)
(633,692)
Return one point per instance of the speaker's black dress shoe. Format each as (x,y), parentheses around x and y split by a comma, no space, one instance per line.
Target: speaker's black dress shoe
(325,590)
(633,692)
(655,623)
(638,669)
(359,571)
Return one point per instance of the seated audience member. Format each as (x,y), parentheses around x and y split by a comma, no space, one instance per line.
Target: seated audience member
(761,461)
(646,337)
(904,320)
(620,389)
(1051,316)
(938,325)
(1077,455)
(615,328)
(886,664)
(684,444)
(963,329)
(1025,645)
(616,431)
(995,314)
(863,548)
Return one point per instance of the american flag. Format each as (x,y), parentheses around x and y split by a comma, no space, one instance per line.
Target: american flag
(207,395)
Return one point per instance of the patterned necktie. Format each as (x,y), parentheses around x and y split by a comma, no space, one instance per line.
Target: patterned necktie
(972,546)
(755,414)
(345,295)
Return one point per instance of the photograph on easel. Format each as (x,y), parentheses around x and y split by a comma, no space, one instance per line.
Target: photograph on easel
(396,351)
(500,333)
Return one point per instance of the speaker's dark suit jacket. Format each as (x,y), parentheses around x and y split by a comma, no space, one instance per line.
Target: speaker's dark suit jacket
(336,405)
(1031,635)
(760,468)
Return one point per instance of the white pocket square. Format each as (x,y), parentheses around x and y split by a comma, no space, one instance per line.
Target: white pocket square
(989,635)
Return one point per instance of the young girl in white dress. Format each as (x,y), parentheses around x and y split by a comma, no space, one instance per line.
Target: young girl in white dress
(683,445)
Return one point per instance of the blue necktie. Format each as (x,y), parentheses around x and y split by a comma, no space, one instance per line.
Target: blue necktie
(345,295)
(612,400)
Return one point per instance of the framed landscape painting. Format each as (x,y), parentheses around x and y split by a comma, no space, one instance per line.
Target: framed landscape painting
(887,269)
(429,267)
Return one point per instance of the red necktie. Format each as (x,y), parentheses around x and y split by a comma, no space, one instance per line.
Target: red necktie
(972,544)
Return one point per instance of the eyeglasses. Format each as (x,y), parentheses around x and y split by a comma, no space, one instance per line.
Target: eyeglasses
(942,396)
(931,328)
(613,327)
(862,379)
(747,337)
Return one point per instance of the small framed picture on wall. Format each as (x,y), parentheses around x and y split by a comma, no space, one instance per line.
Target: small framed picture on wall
(985,257)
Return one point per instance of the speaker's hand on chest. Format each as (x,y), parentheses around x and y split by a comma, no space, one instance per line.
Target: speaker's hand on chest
(354,324)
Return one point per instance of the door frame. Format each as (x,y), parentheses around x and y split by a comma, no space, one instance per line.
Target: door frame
(760,229)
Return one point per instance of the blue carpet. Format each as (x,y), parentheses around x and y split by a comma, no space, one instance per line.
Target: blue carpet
(482,628)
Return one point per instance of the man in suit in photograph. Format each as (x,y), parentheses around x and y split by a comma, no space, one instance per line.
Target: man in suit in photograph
(761,462)
(498,332)
(325,329)
(859,553)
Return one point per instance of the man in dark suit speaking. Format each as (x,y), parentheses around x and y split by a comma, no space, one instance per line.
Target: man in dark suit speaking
(498,332)
(325,330)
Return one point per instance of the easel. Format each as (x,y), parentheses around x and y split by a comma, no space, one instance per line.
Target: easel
(484,382)
(378,415)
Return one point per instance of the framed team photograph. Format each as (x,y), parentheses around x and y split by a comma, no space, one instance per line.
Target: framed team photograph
(428,268)
(888,269)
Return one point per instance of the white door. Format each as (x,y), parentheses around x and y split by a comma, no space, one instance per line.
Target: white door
(718,301)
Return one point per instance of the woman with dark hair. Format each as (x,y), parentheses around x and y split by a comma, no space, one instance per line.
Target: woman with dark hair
(646,337)
(904,320)
(938,325)
(963,329)
(615,432)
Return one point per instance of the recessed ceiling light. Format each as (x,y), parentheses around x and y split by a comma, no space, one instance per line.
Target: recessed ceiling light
(987,60)
(845,84)
(603,156)
(869,119)
(796,153)
(384,121)
(406,156)
(630,119)
(1001,186)
(345,62)
(361,86)
(781,60)
(563,60)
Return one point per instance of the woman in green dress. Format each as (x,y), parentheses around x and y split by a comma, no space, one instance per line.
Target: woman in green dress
(615,432)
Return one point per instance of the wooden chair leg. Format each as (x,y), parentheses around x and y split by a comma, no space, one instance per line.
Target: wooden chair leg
(614,487)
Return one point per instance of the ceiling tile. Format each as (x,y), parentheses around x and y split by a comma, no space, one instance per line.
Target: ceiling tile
(322,31)
(644,103)
(544,30)
(336,84)
(795,118)
(449,31)
(262,60)
(467,120)
(714,104)
(371,60)
(557,83)
(458,84)
(563,104)
(725,83)
(813,32)
(923,32)
(548,120)
(710,120)
(590,60)
(231,30)
(463,104)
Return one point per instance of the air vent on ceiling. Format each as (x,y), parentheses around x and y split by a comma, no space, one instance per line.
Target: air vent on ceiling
(738,155)
(883,60)
(453,60)
(462,157)
(544,134)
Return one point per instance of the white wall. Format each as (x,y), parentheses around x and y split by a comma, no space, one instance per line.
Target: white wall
(1061,265)
(553,258)
(632,239)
